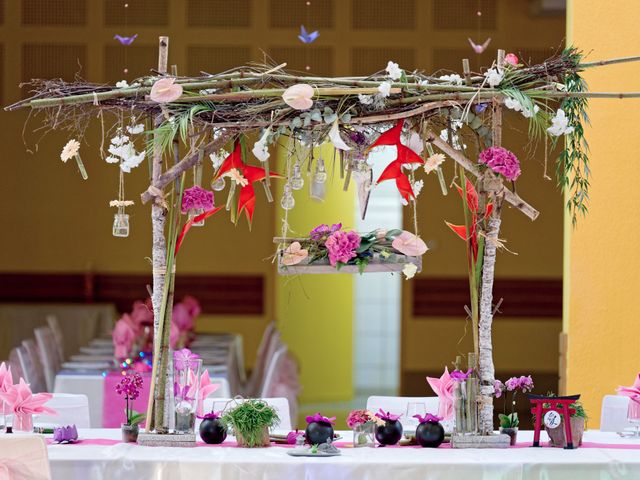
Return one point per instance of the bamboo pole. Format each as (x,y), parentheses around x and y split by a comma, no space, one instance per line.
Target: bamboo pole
(611,61)
(158,252)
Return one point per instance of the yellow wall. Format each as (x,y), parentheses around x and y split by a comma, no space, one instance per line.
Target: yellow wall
(602,256)
(315,312)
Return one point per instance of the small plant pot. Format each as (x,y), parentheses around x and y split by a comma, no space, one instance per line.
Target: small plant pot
(430,434)
(213,431)
(130,433)
(512,432)
(390,433)
(318,433)
(244,439)
(557,435)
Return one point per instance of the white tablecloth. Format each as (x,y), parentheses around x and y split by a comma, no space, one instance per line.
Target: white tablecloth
(128,461)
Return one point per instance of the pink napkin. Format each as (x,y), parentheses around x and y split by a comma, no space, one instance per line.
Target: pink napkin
(23,402)
(206,389)
(443,387)
(633,391)
(123,336)
(6,382)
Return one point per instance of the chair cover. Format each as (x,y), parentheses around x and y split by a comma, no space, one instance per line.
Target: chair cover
(54,325)
(36,372)
(49,354)
(24,457)
(71,409)
(257,374)
(613,417)
(281,380)
(16,366)
(28,369)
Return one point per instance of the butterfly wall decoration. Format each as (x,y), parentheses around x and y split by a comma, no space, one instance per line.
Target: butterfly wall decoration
(307,37)
(480,48)
(126,40)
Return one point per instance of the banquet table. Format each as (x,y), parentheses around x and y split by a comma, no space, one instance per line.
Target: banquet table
(102,459)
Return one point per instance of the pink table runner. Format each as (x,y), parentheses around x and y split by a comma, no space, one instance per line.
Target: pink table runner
(113,405)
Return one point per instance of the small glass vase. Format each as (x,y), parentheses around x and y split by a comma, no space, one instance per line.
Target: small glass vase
(186,378)
(194,212)
(121,225)
(129,433)
(364,435)
(23,422)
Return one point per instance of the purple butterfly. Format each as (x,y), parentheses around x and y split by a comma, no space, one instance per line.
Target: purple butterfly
(126,40)
(479,48)
(307,37)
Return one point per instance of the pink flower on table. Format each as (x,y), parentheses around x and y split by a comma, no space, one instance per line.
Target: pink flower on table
(294,254)
(196,198)
(123,336)
(501,161)
(409,244)
(460,376)
(498,388)
(511,59)
(519,383)
(632,391)
(342,246)
(202,390)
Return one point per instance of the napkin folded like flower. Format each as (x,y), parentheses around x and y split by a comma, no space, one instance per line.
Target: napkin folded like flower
(320,419)
(123,337)
(382,415)
(22,401)
(6,382)
(633,391)
(68,434)
(443,388)
(428,418)
(206,389)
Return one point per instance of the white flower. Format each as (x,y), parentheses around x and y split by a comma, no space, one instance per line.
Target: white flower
(423,83)
(527,113)
(70,150)
(260,148)
(409,270)
(365,99)
(417,187)
(433,162)
(394,71)
(336,139)
(132,160)
(218,157)
(559,124)
(494,77)
(237,177)
(207,91)
(135,129)
(123,151)
(513,104)
(122,84)
(385,89)
(111,159)
(120,203)
(119,139)
(454,78)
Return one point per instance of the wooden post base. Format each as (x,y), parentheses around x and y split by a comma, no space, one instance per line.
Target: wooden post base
(167,440)
(480,441)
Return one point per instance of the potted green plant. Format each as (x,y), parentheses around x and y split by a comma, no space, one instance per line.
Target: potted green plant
(557,437)
(509,422)
(250,422)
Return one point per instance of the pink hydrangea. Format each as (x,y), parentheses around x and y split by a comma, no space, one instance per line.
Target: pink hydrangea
(342,246)
(197,198)
(501,161)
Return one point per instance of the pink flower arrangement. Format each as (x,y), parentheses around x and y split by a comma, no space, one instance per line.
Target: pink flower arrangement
(525,384)
(360,417)
(342,246)
(501,161)
(197,198)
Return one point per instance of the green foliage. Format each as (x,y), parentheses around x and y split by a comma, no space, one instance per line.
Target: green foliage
(509,421)
(538,122)
(572,166)
(250,418)
(133,417)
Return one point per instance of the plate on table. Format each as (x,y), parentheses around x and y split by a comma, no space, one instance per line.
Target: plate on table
(294,453)
(281,438)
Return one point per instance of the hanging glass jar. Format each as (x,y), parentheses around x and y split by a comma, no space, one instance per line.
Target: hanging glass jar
(287,202)
(121,224)
(297,182)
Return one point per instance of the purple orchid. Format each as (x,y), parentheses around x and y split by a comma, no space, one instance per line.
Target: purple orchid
(126,40)
(68,434)
(382,415)
(428,418)
(460,376)
(498,388)
(183,359)
(481,107)
(307,37)
(519,383)
(292,437)
(130,386)
(320,419)
(321,232)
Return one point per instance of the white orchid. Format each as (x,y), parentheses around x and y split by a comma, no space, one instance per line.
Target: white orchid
(365,99)
(122,84)
(261,148)
(394,71)
(494,76)
(513,104)
(559,124)
(218,157)
(454,78)
(123,151)
(336,139)
(385,89)
(417,187)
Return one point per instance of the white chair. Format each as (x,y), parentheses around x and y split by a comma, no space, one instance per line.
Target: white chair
(281,405)
(71,409)
(281,380)
(48,354)
(16,367)
(254,386)
(613,417)
(32,366)
(27,369)
(24,456)
(54,325)
(255,380)
(398,405)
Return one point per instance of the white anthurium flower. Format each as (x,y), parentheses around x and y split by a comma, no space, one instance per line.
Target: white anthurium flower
(454,78)
(394,71)
(559,124)
(261,148)
(494,76)
(409,270)
(299,96)
(336,139)
(385,89)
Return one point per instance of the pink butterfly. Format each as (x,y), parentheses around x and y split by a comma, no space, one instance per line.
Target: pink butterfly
(480,48)
(126,40)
